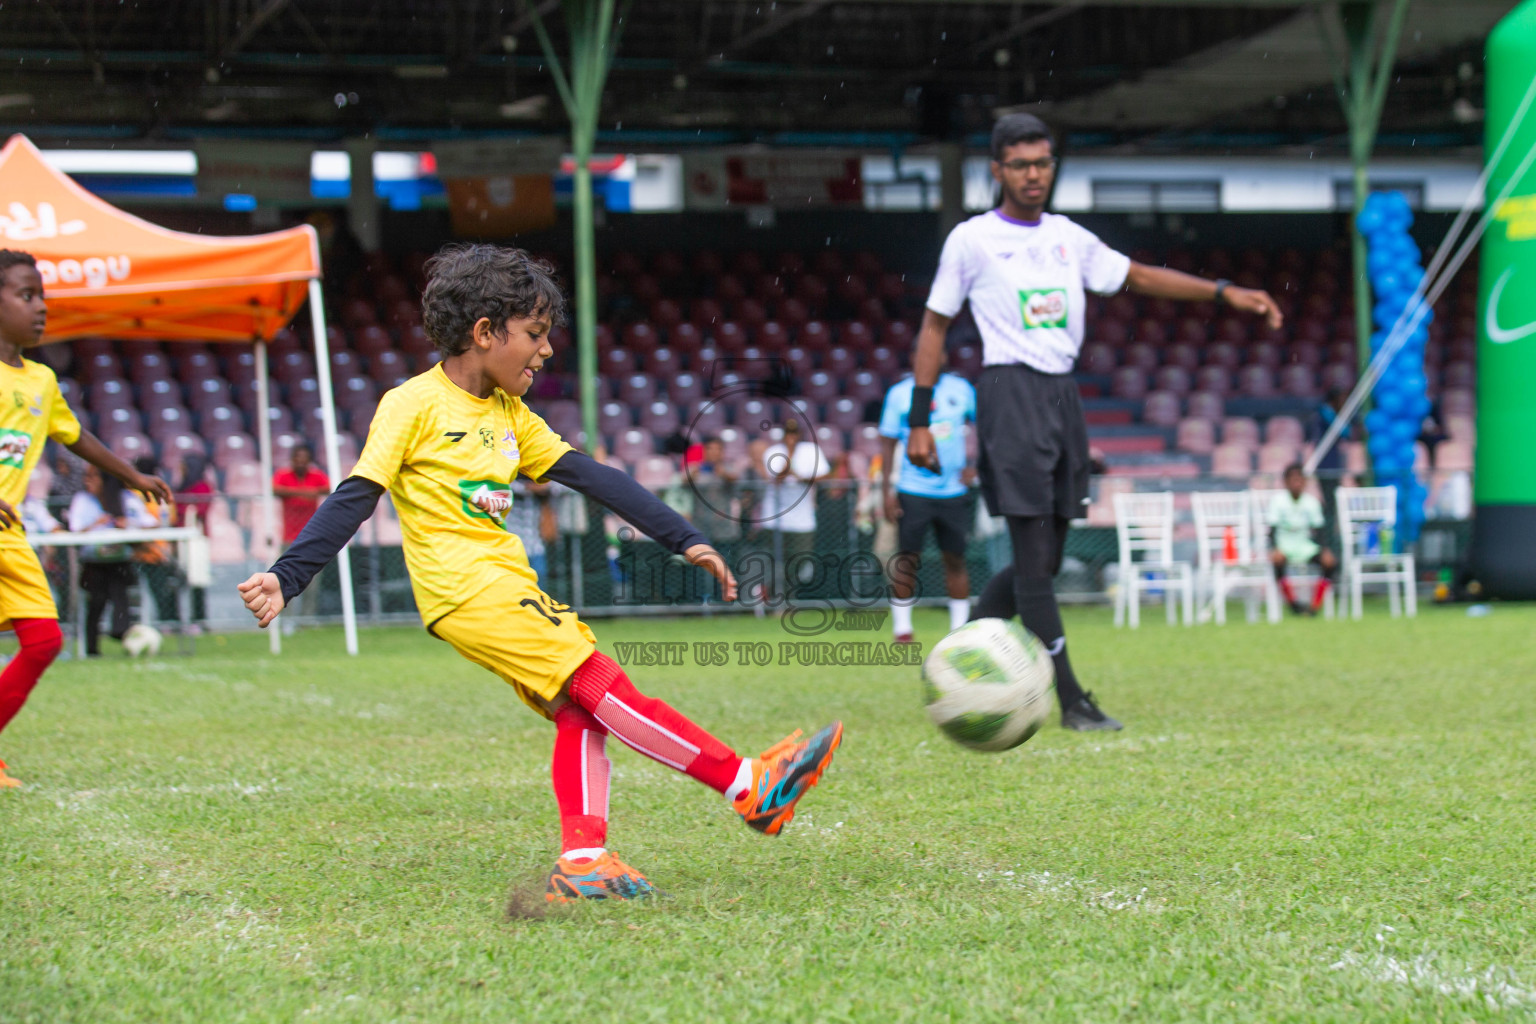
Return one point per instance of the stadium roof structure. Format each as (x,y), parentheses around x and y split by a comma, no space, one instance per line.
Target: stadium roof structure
(1112,72)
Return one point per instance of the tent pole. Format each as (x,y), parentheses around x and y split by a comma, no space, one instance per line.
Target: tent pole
(332,450)
(264,450)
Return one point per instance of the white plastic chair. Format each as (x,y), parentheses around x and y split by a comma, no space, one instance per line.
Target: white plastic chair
(1362,512)
(1222,517)
(1144,528)
(1298,573)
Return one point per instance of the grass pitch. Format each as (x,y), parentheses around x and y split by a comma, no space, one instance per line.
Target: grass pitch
(1308,822)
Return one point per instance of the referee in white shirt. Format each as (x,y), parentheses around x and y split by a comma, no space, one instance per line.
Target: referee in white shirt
(1024,272)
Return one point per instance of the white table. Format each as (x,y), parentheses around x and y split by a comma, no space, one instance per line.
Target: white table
(178,535)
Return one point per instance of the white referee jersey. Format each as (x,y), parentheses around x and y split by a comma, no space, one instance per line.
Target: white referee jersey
(1026,285)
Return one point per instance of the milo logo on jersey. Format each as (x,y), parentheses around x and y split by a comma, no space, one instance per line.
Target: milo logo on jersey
(14,445)
(1044,307)
(486,499)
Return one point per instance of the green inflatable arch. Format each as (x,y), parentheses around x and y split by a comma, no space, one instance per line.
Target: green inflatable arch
(1503,557)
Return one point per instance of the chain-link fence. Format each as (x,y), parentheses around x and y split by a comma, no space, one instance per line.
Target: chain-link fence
(830,544)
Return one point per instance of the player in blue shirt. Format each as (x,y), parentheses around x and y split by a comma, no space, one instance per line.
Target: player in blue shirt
(926,498)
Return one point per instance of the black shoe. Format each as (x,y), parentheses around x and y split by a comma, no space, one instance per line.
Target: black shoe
(1085,716)
(1297,608)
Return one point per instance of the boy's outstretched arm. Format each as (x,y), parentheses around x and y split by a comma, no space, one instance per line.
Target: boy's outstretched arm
(334,523)
(90,448)
(621,494)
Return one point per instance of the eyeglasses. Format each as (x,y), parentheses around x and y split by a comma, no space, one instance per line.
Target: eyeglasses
(1042,165)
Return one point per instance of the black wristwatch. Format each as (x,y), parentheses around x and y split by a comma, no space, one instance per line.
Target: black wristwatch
(1222,284)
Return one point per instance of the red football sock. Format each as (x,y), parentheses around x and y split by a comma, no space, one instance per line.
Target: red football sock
(579,770)
(652,726)
(41,642)
(1286,590)
(1320,591)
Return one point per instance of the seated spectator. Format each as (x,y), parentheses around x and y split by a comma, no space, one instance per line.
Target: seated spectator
(1296,535)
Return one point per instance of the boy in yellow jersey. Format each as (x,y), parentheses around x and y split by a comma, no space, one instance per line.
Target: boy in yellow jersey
(31,412)
(447,445)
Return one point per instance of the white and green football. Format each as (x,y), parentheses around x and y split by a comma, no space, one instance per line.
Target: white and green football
(988,684)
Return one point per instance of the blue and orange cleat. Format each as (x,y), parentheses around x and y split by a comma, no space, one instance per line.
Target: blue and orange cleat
(783,774)
(6,781)
(606,878)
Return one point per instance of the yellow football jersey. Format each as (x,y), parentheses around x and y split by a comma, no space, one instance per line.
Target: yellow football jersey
(448,460)
(31,411)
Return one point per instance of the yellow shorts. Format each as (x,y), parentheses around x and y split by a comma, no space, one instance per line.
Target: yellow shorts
(522,634)
(24,590)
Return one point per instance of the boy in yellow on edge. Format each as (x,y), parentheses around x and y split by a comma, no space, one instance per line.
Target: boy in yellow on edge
(446,445)
(31,412)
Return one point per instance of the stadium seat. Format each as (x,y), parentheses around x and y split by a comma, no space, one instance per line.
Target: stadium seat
(1213,379)
(632,445)
(1223,354)
(867,440)
(640,338)
(656,472)
(1128,382)
(1195,436)
(730,337)
(800,361)
(685,340)
(1274,458)
(885,361)
(1161,408)
(1458,375)
(857,335)
(815,336)
(1262,353)
(1172,379)
(1337,375)
(666,314)
(1142,356)
(1231,460)
(637,390)
(839,361)
(897,335)
(617,362)
(613,419)
(707,419)
(1284,430)
(772,336)
(844,414)
(707,314)
(685,388)
(864,386)
(660,418)
(1097,357)
(1183,355)
(1298,380)
(221,421)
(1240,430)
(1256,381)
(830,440)
(233,448)
(122,420)
(754,416)
(820,387)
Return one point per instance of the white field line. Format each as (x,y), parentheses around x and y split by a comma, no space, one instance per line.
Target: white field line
(1046,886)
(1495,987)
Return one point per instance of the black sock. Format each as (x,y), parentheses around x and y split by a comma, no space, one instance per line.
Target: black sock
(996,600)
(1036,600)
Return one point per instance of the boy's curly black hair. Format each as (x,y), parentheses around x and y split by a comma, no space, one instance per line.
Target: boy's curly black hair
(470,281)
(12,258)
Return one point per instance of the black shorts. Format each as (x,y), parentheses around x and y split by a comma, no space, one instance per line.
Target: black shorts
(1033,442)
(950,518)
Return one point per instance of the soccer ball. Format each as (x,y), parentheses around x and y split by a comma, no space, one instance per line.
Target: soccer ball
(988,684)
(141,640)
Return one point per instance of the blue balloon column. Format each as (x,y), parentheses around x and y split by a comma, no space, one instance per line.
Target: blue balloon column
(1400,401)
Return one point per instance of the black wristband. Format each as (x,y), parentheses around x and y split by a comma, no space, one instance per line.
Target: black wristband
(922,402)
(1222,284)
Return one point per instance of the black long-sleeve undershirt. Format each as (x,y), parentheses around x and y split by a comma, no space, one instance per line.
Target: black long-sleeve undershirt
(350,505)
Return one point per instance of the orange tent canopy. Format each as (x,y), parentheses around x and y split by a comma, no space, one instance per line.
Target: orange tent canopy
(109,272)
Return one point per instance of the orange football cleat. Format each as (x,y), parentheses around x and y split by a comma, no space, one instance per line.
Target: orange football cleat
(6,782)
(783,774)
(606,878)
